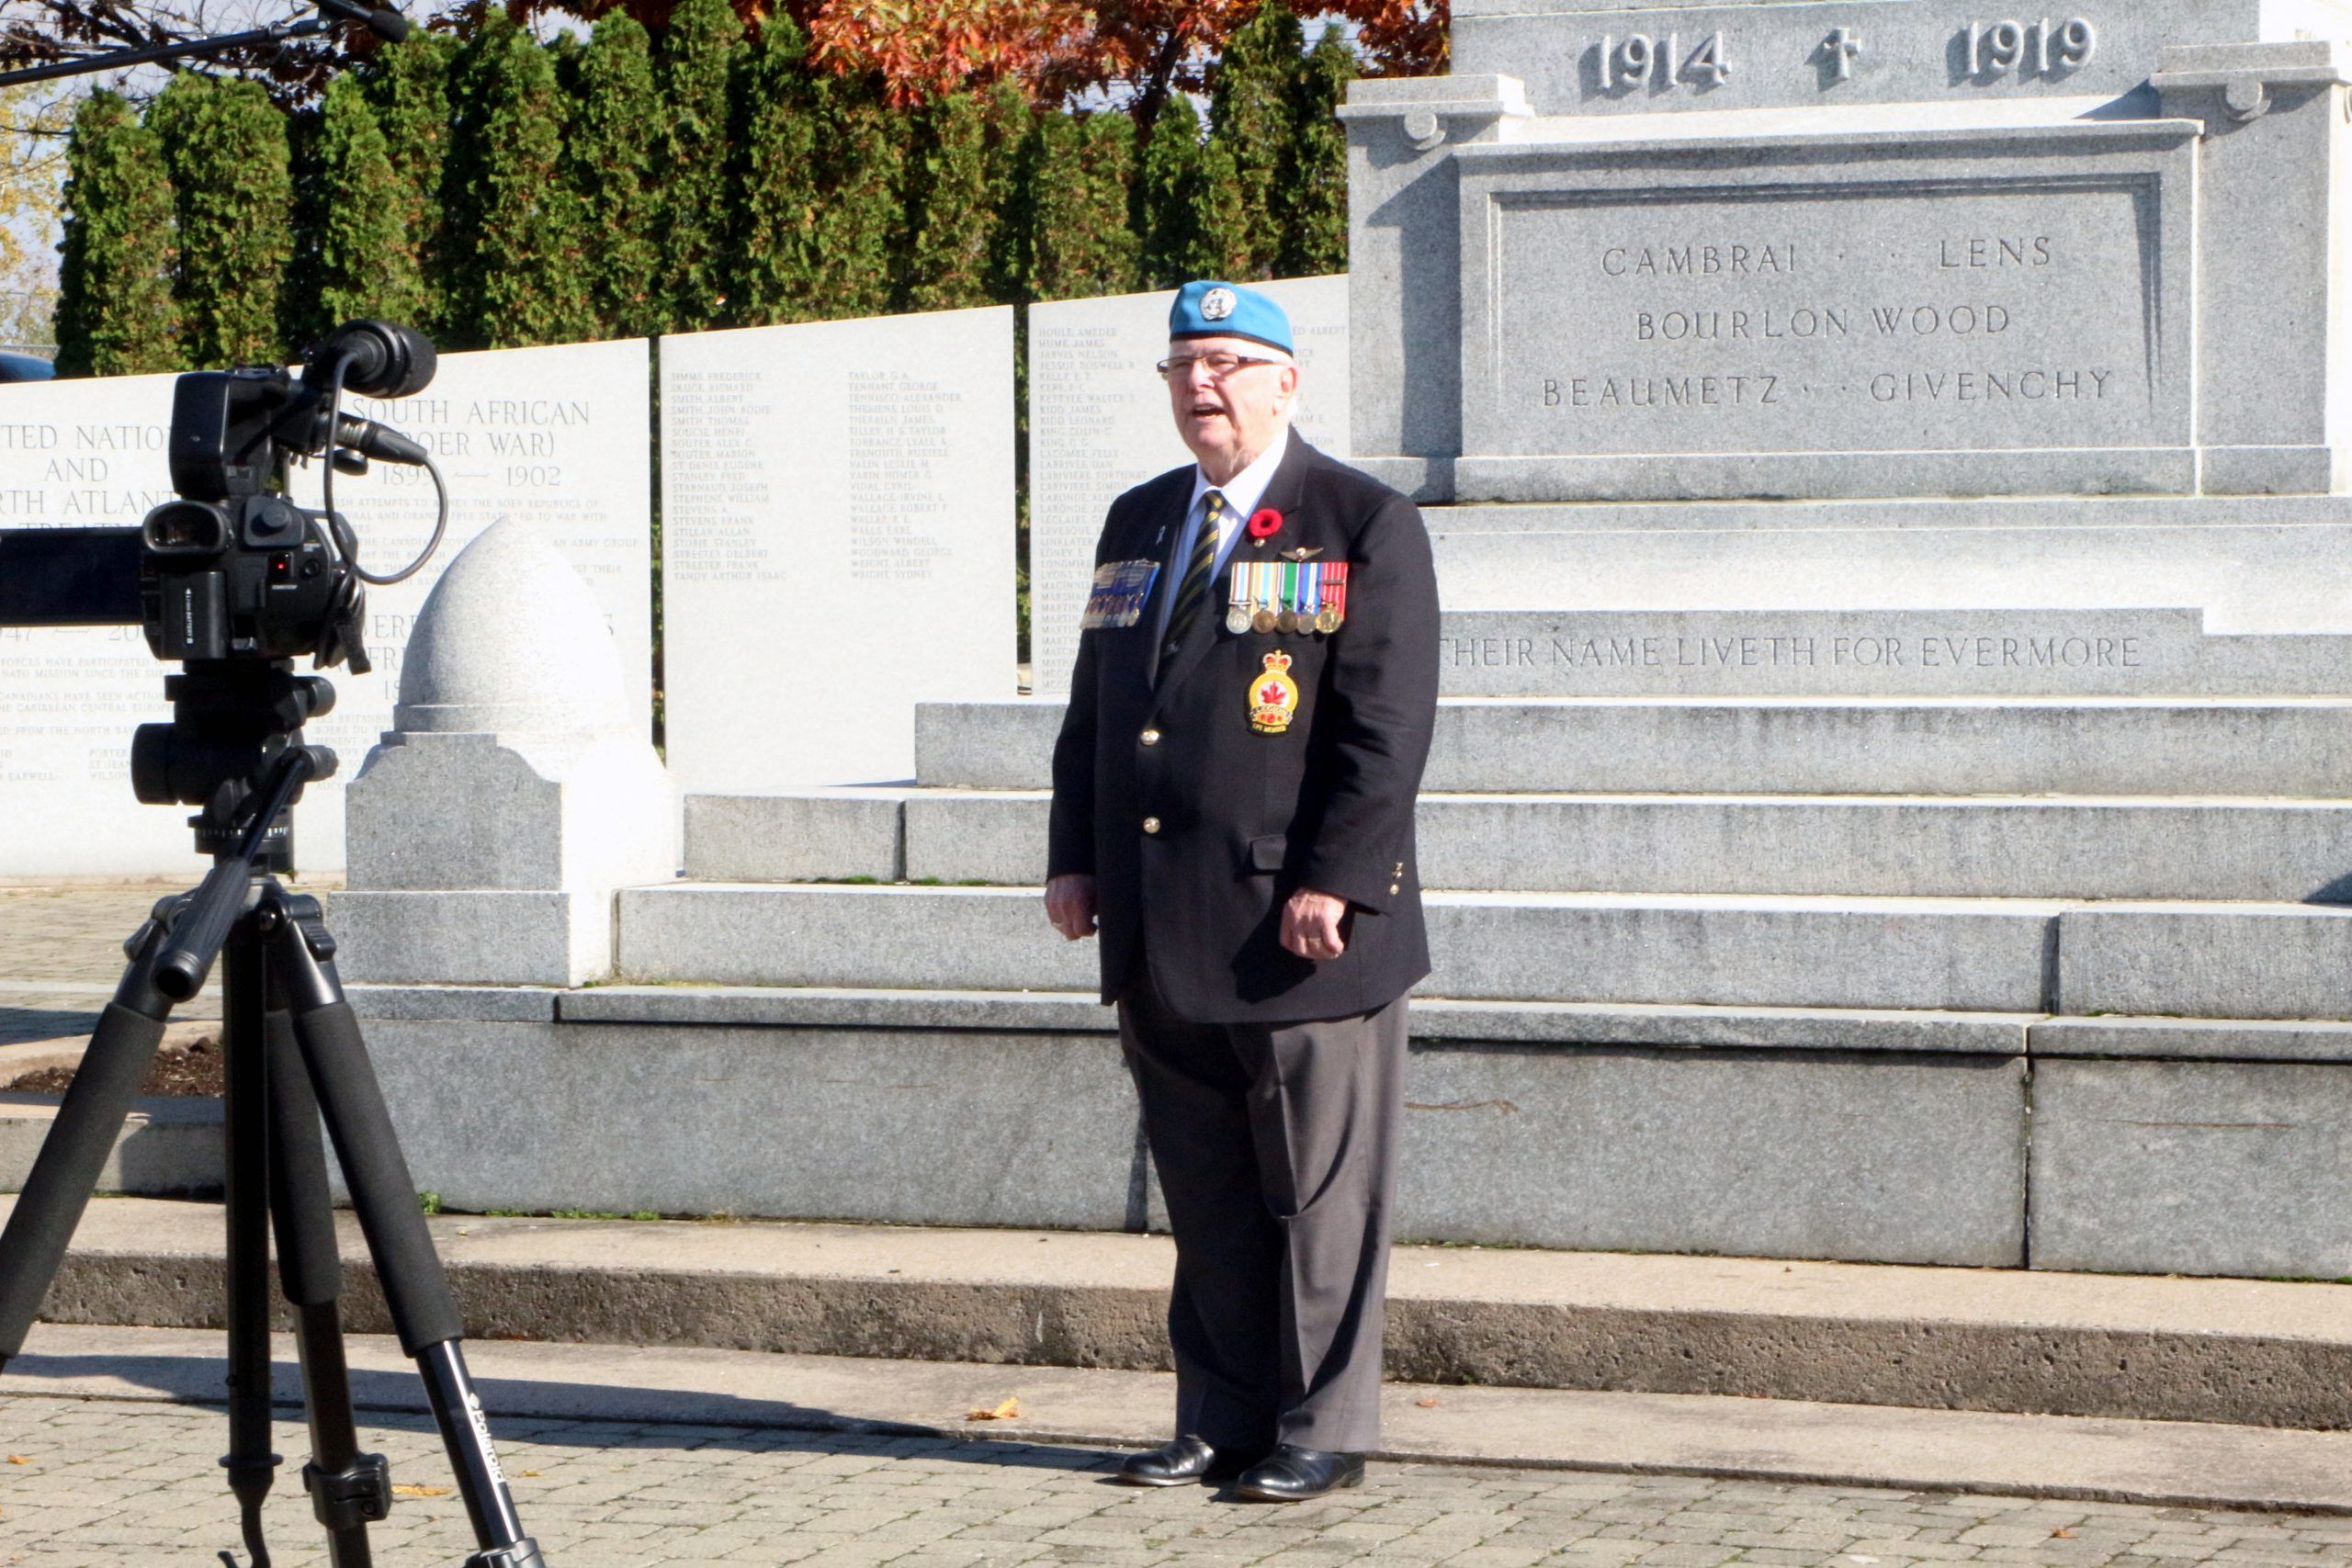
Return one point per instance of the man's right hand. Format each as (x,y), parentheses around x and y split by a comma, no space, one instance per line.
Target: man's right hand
(1070,904)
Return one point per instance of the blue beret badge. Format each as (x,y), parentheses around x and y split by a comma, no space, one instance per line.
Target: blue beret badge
(1209,308)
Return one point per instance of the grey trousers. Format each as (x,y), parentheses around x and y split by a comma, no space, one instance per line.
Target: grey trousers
(1275,1147)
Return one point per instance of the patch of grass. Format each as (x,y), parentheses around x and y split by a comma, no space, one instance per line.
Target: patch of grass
(429,1202)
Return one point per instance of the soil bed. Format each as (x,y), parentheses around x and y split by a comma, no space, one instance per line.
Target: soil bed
(193,1070)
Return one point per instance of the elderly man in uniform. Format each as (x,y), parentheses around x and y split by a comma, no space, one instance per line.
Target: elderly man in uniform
(1233,816)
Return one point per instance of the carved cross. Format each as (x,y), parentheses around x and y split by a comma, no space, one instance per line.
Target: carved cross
(1842,47)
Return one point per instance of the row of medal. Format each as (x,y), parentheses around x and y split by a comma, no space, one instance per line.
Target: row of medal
(1287,596)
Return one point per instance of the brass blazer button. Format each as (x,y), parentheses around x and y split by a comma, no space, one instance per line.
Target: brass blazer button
(1151,824)
(1152,737)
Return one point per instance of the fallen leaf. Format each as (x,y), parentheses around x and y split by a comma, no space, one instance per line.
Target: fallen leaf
(420,1491)
(530,1476)
(19,1459)
(2062,1534)
(1009,1410)
(1429,1404)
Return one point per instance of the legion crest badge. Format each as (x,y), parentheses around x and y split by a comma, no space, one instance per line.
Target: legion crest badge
(1218,304)
(1273,696)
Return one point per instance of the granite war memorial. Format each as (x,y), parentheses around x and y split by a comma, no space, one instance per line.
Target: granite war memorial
(1887,462)
(1887,469)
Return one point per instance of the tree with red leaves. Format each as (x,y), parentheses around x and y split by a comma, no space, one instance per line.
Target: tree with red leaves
(917,49)
(1138,49)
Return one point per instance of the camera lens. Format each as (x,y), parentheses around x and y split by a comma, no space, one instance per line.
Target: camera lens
(185,528)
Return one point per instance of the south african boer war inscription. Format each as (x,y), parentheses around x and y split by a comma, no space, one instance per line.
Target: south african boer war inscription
(557,437)
(2021,303)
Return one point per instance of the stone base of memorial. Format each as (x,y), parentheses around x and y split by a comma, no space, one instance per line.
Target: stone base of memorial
(514,792)
(1886,469)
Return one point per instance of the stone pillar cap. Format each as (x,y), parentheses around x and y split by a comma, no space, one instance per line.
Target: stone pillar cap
(512,642)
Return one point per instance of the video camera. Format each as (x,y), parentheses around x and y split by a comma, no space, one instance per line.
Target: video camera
(233,577)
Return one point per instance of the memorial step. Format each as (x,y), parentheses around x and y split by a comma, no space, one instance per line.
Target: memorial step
(1983,955)
(168,1146)
(2254,1352)
(1984,1139)
(1912,571)
(2099,847)
(2226,960)
(2156,746)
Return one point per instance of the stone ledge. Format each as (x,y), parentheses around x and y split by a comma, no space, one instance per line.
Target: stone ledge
(2193,1039)
(478,1004)
(1437,1020)
(2252,1352)
(169,1144)
(2280,64)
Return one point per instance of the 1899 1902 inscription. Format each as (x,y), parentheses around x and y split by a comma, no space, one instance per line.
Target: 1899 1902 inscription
(1974,312)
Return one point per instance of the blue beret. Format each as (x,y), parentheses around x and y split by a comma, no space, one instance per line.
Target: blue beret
(1208,309)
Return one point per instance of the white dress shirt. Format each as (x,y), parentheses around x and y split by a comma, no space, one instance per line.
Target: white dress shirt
(1242,493)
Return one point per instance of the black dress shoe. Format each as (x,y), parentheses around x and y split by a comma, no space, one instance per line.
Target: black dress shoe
(1177,1463)
(1293,1474)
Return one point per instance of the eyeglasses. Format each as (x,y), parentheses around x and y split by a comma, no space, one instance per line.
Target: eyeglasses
(1219,364)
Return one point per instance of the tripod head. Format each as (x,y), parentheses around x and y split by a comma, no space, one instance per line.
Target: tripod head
(234,722)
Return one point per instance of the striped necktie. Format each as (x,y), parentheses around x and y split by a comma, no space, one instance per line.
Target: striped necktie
(1193,592)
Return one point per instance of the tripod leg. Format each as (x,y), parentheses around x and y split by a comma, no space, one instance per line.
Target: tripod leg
(349,1490)
(424,1313)
(71,1158)
(251,1466)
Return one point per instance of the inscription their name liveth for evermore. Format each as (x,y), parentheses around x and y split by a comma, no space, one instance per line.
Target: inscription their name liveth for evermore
(2058,650)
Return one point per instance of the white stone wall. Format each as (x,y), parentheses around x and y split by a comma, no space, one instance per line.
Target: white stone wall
(555,437)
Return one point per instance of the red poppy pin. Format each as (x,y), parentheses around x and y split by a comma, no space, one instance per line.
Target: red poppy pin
(1264,524)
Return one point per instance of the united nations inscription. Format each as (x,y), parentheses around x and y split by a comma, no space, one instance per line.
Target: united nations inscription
(557,438)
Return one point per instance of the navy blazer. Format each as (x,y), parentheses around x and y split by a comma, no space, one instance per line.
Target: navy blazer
(1195,826)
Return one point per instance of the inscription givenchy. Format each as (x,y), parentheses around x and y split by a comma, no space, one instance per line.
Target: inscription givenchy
(1990,386)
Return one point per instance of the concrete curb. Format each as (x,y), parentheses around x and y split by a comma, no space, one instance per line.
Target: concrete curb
(2170,1463)
(2248,1353)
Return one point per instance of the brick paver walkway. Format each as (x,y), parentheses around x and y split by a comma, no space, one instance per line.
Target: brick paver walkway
(125,1484)
(53,937)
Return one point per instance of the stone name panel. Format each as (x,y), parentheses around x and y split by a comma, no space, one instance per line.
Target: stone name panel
(2021,300)
(2085,653)
(1099,423)
(837,543)
(557,436)
(1588,57)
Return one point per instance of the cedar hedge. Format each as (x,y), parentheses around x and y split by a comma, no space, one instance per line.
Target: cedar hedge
(501,192)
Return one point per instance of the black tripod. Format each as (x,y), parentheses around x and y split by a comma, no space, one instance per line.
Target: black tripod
(294,1055)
